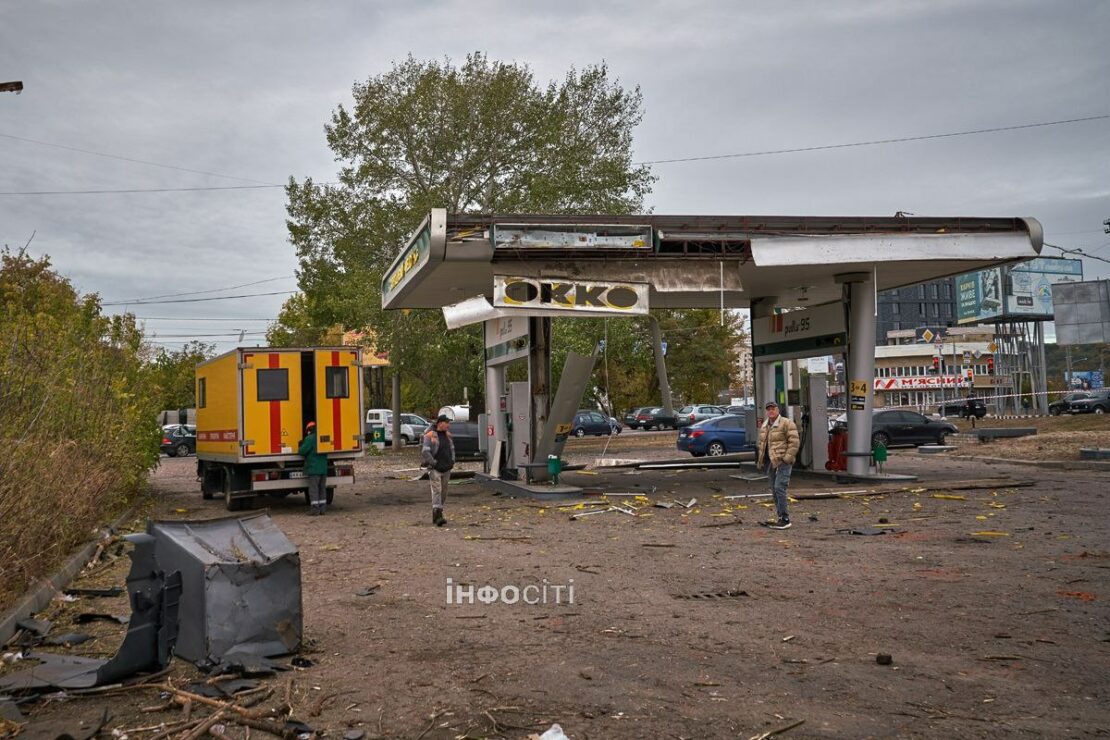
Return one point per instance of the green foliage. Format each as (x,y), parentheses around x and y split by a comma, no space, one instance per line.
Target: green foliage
(482,136)
(79,410)
(479,137)
(173,374)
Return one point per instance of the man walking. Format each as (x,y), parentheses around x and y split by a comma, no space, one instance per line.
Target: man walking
(778,446)
(437,451)
(315,470)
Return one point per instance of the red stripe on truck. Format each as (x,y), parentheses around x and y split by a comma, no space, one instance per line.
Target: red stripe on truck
(336,413)
(275,414)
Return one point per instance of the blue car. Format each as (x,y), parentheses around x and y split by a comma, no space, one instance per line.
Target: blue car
(719,436)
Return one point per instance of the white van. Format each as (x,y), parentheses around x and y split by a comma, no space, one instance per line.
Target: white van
(412,425)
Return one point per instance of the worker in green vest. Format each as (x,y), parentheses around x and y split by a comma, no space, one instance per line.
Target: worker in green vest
(315,470)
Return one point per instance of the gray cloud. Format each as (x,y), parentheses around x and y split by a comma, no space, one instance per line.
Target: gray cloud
(245,89)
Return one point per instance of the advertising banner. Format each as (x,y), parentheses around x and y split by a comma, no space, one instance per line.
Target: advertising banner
(810,332)
(979,296)
(1029,291)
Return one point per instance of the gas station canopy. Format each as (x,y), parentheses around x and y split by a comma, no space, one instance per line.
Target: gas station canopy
(696,261)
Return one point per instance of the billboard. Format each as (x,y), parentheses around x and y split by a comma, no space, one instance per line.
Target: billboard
(979,296)
(1084,380)
(1029,288)
(1082,312)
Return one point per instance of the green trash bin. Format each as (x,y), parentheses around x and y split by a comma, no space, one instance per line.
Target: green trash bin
(554,467)
(878,454)
(377,436)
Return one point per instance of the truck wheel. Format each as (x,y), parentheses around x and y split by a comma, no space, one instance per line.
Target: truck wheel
(207,488)
(233,504)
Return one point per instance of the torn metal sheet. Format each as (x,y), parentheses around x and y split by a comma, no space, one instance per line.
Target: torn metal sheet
(147,646)
(241,581)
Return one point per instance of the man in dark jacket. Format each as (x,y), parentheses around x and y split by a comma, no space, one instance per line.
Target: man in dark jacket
(437,453)
(315,470)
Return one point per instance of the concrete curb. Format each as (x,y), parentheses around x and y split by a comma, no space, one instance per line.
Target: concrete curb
(40,595)
(1049,464)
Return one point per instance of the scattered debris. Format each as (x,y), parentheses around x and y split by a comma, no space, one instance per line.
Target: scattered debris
(368,590)
(69,639)
(147,646)
(750,477)
(730,594)
(656,544)
(663,504)
(884,659)
(37,627)
(86,617)
(864,531)
(555,732)
(778,731)
(990,533)
(750,495)
(788,638)
(723,524)
(242,580)
(299,662)
(105,592)
(949,497)
(1081,595)
(579,515)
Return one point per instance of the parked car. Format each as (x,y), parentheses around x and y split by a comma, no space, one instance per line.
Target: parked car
(1096,402)
(964,408)
(899,427)
(591,422)
(1063,404)
(631,417)
(179,440)
(688,415)
(721,435)
(740,410)
(465,436)
(412,425)
(652,417)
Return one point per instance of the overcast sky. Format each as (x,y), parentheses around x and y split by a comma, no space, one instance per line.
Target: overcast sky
(243,89)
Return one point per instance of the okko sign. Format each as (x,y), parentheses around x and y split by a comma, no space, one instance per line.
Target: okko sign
(572,296)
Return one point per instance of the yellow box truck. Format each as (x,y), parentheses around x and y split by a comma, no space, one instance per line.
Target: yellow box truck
(252,408)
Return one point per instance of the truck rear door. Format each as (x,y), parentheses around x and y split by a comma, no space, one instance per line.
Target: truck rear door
(272,423)
(338,404)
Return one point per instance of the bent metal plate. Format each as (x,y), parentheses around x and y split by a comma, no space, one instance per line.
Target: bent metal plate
(566,294)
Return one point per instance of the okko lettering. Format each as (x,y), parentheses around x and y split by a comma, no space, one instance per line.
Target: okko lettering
(532,595)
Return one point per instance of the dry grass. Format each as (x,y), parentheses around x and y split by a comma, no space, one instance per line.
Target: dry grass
(1041,446)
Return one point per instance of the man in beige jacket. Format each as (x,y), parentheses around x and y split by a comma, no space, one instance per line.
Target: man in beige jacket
(778,446)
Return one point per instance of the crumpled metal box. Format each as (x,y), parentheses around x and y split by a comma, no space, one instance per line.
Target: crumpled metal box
(241,586)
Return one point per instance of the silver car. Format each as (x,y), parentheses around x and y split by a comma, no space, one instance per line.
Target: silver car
(688,415)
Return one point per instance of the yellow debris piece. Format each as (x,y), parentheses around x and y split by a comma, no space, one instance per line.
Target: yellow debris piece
(996,505)
(917,506)
(949,497)
(981,518)
(990,533)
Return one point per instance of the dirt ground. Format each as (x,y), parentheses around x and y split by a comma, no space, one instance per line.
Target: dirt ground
(993,604)
(1057,437)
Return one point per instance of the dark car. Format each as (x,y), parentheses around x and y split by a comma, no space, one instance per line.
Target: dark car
(465,436)
(1096,402)
(740,410)
(179,440)
(632,417)
(964,408)
(591,422)
(1063,404)
(653,417)
(688,415)
(899,427)
(718,436)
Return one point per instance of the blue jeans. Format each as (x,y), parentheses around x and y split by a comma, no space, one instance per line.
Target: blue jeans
(779,479)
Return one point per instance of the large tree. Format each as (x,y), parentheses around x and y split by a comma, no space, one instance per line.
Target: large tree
(482,136)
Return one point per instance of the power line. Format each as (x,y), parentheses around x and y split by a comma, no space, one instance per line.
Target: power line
(199,318)
(143,190)
(131,159)
(1079,252)
(874,142)
(197,300)
(229,334)
(213,290)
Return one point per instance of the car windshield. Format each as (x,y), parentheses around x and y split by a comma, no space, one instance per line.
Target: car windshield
(686,410)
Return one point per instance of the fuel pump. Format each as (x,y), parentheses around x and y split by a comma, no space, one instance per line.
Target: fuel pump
(815,422)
